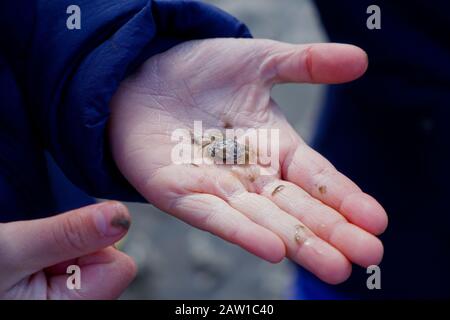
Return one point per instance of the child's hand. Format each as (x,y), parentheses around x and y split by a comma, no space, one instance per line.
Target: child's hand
(306,211)
(34,255)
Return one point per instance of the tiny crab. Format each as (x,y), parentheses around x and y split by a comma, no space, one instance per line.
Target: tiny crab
(228,151)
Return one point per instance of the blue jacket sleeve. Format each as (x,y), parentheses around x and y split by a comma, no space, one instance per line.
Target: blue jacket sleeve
(69,76)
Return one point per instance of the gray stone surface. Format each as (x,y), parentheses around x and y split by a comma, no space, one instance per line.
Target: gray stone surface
(177,261)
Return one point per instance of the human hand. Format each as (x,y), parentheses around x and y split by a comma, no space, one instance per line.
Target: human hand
(34,255)
(318,218)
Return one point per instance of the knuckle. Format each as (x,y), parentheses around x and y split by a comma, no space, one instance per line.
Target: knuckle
(330,230)
(70,235)
(209,220)
(324,173)
(268,69)
(308,62)
(228,186)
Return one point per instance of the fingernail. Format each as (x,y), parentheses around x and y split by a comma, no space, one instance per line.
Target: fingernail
(120,222)
(111,219)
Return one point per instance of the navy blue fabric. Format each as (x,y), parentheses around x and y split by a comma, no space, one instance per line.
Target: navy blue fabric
(389,132)
(55,86)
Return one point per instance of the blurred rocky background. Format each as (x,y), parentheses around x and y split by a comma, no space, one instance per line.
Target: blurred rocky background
(176,261)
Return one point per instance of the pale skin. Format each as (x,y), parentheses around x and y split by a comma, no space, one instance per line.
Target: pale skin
(307,211)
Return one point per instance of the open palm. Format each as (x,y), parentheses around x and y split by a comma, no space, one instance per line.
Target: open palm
(306,210)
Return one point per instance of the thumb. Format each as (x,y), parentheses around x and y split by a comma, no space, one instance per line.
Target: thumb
(37,244)
(329,63)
